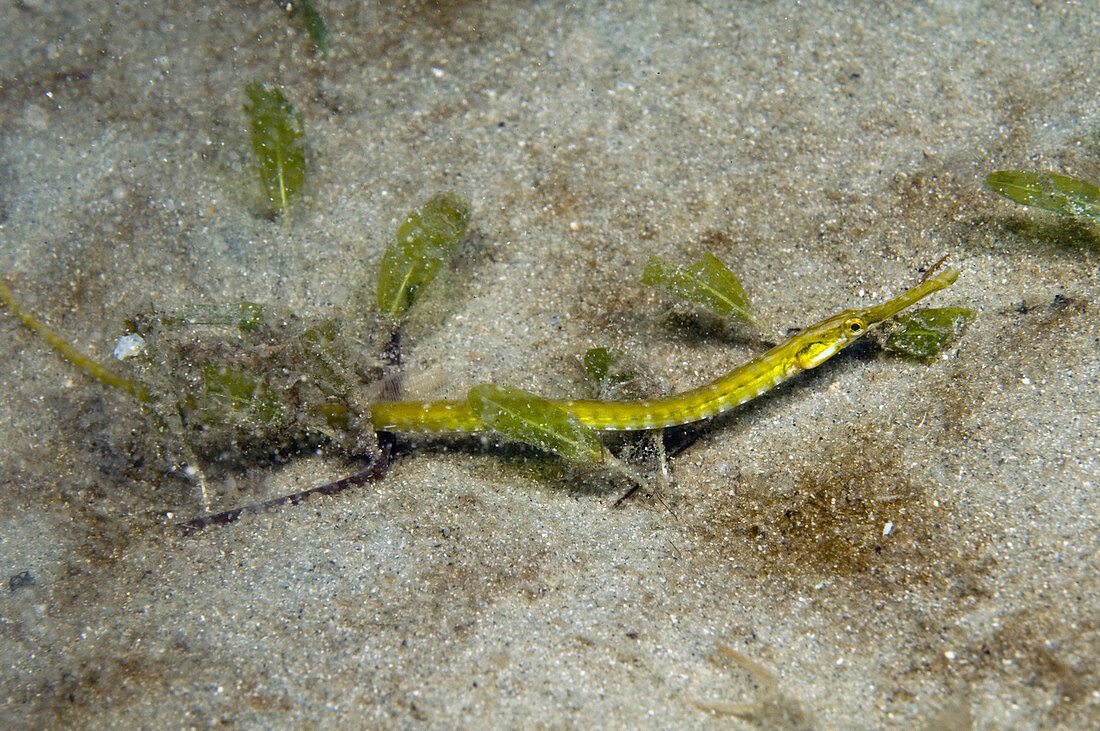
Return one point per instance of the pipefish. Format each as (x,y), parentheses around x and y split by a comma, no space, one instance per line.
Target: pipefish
(808,349)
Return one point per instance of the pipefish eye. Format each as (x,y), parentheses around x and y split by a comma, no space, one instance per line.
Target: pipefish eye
(855,325)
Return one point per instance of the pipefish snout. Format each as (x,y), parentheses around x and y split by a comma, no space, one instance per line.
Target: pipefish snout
(807,349)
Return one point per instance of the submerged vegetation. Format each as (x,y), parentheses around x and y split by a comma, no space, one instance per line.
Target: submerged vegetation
(534,420)
(706,281)
(1059,194)
(315,26)
(423,243)
(926,333)
(276,141)
(246,388)
(227,385)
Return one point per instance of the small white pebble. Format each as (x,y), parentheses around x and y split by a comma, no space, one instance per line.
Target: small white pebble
(128,346)
(887,529)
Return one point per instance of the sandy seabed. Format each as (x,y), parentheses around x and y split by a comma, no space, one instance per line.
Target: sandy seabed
(879,542)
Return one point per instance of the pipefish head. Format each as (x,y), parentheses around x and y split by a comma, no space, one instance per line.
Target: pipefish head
(817,343)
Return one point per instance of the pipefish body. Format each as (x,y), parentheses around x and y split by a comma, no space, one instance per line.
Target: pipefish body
(808,349)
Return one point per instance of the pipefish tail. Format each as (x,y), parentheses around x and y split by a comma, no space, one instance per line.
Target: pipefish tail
(808,349)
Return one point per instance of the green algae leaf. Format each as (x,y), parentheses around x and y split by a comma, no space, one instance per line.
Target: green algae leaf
(706,281)
(1057,193)
(276,132)
(315,26)
(925,333)
(534,420)
(422,244)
